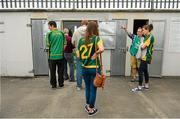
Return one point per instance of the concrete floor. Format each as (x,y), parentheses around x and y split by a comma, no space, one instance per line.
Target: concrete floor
(33,97)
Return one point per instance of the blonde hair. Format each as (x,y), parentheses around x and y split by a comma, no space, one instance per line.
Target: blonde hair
(66,31)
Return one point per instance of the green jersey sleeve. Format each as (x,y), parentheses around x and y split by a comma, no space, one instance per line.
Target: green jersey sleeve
(47,40)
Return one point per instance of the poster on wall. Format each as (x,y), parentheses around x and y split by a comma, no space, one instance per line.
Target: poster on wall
(174,42)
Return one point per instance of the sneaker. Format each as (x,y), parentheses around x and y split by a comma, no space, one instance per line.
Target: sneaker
(95,111)
(86,108)
(62,85)
(133,80)
(146,87)
(78,88)
(71,80)
(136,89)
(136,80)
(53,87)
(66,78)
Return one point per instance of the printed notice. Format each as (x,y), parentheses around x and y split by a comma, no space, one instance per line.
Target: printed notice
(174,44)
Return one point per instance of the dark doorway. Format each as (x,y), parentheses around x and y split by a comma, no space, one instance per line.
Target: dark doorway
(71,25)
(139,23)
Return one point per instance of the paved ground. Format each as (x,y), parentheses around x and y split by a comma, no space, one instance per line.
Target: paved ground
(32,97)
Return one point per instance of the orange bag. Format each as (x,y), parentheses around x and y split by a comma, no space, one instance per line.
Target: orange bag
(99,80)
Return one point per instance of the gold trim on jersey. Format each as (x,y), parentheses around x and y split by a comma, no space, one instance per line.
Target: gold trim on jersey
(92,66)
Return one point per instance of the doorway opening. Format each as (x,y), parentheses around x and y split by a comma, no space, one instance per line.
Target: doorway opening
(71,25)
(139,23)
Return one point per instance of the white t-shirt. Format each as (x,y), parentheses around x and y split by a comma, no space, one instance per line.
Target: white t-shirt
(78,34)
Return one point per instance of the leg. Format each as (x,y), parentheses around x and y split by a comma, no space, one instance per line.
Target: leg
(141,70)
(87,85)
(71,65)
(78,73)
(65,68)
(146,73)
(93,89)
(52,66)
(60,64)
(133,67)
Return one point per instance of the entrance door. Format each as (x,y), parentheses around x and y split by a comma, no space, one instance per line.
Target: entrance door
(40,59)
(118,55)
(72,25)
(155,69)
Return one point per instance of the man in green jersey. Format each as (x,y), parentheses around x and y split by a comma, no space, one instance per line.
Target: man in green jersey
(55,42)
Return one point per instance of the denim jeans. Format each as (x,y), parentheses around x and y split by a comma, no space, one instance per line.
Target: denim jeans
(90,89)
(79,72)
(69,60)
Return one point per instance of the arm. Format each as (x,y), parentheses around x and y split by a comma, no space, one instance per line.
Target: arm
(100,49)
(47,43)
(128,33)
(74,38)
(146,43)
(77,51)
(65,42)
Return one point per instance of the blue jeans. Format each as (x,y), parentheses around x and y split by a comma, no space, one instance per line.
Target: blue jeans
(79,72)
(70,60)
(90,89)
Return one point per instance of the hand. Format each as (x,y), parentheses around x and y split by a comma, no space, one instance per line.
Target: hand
(123,27)
(94,56)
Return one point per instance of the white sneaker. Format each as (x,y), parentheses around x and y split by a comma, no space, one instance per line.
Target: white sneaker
(146,86)
(78,88)
(137,89)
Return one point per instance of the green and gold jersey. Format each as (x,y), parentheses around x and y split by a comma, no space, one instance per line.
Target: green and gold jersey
(86,51)
(55,42)
(149,42)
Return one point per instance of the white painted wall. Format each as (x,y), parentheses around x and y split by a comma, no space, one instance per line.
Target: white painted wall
(16,45)
(1,38)
(16,49)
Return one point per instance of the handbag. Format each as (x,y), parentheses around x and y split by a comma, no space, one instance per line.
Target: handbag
(99,80)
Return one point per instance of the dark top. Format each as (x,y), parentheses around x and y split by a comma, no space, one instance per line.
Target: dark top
(69,47)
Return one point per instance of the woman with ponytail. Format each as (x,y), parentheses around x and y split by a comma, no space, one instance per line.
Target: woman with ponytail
(89,48)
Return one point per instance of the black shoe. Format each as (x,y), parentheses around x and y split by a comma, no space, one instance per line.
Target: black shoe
(95,111)
(66,78)
(53,87)
(71,80)
(61,85)
(86,108)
